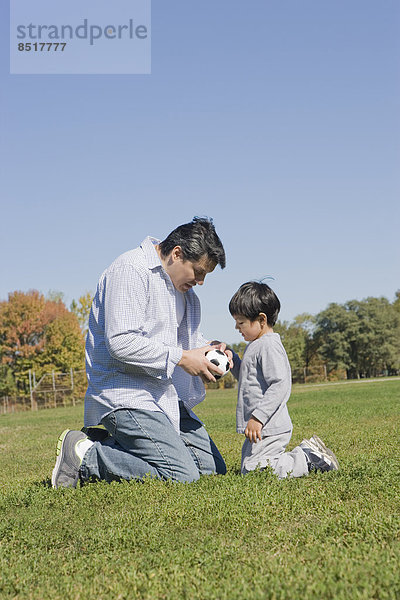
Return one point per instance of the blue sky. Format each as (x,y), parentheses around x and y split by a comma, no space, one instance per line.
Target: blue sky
(279,119)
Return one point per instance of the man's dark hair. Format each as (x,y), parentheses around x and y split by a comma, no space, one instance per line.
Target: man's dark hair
(253,298)
(197,238)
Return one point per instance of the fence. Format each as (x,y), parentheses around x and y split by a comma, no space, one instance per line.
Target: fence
(52,390)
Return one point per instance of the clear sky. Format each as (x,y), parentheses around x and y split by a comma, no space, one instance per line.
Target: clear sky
(280,119)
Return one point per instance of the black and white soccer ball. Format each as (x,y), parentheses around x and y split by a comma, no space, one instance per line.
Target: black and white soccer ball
(220,360)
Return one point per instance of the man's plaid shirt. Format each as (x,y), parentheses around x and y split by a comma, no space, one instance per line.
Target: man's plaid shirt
(134,341)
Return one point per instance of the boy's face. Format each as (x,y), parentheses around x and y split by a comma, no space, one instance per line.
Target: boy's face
(250,330)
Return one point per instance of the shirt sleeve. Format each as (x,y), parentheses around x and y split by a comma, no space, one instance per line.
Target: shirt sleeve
(274,369)
(236,364)
(125,308)
(201,341)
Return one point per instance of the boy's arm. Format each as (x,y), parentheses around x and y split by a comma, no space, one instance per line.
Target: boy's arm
(274,366)
(126,298)
(236,360)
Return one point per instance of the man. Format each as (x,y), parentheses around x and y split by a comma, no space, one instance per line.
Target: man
(146,364)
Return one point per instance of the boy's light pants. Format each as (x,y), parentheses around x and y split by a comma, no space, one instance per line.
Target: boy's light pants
(271,451)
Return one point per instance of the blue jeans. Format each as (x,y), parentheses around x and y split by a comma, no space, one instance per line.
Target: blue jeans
(144,443)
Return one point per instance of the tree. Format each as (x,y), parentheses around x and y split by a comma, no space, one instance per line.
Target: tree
(362,337)
(307,324)
(294,340)
(55,296)
(63,344)
(82,310)
(298,341)
(396,303)
(336,334)
(239,348)
(7,381)
(378,336)
(37,333)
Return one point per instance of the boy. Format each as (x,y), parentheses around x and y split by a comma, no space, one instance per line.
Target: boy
(264,388)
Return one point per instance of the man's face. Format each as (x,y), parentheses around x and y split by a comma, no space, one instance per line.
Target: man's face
(185,274)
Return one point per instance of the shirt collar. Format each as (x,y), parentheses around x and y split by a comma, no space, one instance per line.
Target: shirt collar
(150,253)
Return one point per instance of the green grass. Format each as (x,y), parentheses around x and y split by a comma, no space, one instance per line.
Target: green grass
(332,535)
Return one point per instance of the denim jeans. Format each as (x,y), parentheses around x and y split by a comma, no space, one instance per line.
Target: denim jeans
(144,443)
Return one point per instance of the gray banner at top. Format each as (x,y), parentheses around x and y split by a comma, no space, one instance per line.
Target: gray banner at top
(75,37)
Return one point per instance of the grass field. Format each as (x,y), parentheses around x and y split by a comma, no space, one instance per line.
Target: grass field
(332,535)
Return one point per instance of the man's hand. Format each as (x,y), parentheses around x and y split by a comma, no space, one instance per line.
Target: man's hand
(253,430)
(195,362)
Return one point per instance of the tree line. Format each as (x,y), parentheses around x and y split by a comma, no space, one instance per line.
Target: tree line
(351,340)
(357,339)
(40,334)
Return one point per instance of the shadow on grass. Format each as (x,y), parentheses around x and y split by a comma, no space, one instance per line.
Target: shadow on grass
(44,483)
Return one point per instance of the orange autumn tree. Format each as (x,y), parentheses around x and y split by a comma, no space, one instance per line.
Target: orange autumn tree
(39,334)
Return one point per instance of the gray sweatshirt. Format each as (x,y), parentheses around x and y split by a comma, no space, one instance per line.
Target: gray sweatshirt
(264,385)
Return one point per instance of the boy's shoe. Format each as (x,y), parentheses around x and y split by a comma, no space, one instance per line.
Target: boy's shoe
(66,470)
(321,446)
(317,459)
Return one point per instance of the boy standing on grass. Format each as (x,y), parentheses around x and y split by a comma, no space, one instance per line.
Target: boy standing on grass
(264,388)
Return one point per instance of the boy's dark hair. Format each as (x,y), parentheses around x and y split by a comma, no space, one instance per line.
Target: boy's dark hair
(253,298)
(197,238)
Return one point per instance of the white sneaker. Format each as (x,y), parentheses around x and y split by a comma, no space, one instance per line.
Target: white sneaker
(69,459)
(321,446)
(317,459)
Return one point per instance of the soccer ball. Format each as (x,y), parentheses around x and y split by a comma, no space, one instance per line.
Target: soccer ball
(220,360)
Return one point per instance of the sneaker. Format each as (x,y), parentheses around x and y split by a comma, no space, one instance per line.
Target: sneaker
(317,459)
(66,470)
(309,443)
(321,446)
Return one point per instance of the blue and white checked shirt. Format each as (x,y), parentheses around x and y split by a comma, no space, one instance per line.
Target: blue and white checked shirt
(135,342)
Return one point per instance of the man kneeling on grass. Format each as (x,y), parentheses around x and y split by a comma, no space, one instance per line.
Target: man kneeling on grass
(264,388)
(146,364)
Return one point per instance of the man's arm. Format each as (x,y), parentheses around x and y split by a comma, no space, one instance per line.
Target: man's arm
(126,299)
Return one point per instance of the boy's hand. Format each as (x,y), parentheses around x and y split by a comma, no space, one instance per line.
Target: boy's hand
(253,430)
(222,346)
